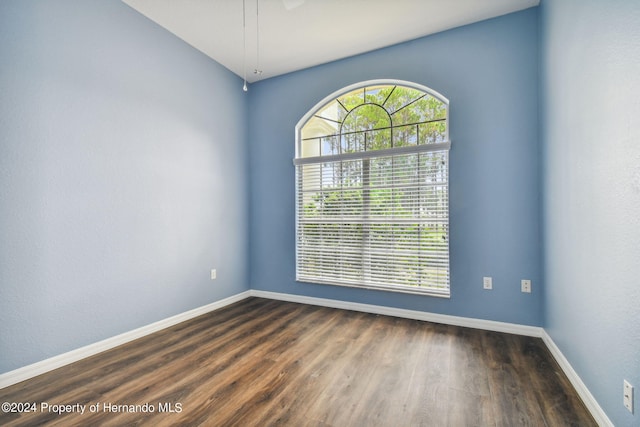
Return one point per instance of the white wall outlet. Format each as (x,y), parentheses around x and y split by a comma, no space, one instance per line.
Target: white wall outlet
(525,285)
(214,274)
(628,396)
(487,282)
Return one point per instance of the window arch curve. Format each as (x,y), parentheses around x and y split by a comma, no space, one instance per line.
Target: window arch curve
(325,118)
(372,189)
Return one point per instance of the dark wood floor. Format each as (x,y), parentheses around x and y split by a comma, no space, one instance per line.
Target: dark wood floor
(261,363)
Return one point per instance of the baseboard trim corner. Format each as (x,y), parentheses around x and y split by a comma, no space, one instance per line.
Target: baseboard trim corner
(13,377)
(587,398)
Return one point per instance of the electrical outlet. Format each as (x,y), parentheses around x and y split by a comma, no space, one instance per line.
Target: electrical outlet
(487,282)
(628,396)
(525,285)
(214,274)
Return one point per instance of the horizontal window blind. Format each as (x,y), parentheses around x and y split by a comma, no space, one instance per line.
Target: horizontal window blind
(376,221)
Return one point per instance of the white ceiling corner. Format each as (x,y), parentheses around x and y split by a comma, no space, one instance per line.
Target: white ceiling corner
(297,34)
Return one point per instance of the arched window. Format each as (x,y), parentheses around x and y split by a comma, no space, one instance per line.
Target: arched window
(372,202)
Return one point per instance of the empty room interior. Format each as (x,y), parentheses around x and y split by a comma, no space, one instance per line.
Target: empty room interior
(309,212)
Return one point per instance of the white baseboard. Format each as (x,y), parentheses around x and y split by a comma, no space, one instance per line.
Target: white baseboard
(30,371)
(489,325)
(590,402)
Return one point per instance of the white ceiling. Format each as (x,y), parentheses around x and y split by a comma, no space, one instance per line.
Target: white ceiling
(297,34)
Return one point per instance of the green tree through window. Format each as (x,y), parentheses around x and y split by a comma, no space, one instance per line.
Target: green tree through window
(372,190)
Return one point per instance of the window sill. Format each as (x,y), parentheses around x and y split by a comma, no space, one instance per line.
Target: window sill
(398,289)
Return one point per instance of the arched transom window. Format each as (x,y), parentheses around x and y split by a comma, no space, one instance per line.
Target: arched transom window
(372,203)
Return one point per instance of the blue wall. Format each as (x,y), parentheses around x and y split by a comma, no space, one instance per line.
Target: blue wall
(590,89)
(489,72)
(122,176)
(124,161)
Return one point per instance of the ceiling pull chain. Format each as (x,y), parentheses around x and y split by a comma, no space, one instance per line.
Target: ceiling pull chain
(257,71)
(244,45)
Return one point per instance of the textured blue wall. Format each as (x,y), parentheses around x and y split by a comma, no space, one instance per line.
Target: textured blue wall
(122,176)
(489,72)
(591,133)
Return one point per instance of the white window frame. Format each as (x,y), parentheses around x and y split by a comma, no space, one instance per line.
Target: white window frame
(372,154)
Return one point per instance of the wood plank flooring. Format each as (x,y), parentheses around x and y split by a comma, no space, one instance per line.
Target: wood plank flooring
(261,363)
